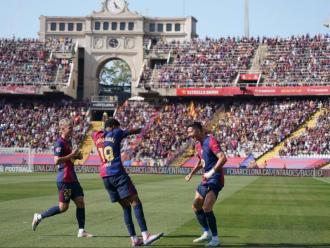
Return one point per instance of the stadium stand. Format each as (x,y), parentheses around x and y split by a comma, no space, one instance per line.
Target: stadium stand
(297,60)
(33,62)
(257,126)
(314,141)
(164,136)
(242,126)
(34,123)
(205,62)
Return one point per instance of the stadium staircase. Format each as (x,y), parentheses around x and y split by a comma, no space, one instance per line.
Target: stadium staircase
(258,58)
(310,123)
(87,144)
(154,77)
(325,167)
(181,159)
(60,75)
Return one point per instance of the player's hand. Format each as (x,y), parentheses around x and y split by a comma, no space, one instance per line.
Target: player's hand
(188,177)
(209,174)
(79,156)
(76,154)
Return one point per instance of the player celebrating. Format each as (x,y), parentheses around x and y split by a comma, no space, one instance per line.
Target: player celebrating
(67,181)
(117,182)
(212,160)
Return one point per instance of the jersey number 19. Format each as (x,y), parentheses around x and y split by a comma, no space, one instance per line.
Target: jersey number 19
(106,154)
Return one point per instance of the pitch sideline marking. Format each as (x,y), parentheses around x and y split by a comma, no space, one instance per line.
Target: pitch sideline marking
(321,179)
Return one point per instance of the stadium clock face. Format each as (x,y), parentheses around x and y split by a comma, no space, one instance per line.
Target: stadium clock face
(116,6)
(113,43)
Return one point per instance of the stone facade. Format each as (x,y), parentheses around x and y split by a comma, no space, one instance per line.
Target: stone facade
(115,32)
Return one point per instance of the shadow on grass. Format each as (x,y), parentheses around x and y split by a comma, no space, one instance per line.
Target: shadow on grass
(281,245)
(95,236)
(249,245)
(192,236)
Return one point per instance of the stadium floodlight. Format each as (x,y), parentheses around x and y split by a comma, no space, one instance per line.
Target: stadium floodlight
(246,19)
(183,7)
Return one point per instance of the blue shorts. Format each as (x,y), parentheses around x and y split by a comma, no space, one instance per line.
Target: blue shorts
(119,187)
(69,191)
(205,187)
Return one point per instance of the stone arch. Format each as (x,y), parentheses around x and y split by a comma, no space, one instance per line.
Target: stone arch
(100,62)
(105,59)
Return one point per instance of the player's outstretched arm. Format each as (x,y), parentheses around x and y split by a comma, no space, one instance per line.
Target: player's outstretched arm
(75,154)
(134,131)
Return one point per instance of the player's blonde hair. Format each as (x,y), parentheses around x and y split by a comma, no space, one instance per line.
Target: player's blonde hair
(64,122)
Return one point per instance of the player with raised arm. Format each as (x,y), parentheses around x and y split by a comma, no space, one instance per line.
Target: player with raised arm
(117,182)
(67,181)
(212,159)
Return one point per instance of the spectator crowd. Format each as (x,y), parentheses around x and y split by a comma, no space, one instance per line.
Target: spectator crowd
(205,62)
(257,126)
(314,140)
(34,123)
(297,60)
(164,127)
(242,127)
(33,62)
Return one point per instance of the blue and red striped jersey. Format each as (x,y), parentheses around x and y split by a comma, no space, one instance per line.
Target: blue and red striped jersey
(66,172)
(108,148)
(207,151)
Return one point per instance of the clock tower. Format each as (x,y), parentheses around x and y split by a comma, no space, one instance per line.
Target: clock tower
(115,6)
(112,33)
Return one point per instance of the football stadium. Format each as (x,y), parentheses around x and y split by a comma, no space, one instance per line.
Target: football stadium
(117,92)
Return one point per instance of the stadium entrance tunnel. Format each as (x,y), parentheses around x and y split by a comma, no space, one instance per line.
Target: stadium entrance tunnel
(97,115)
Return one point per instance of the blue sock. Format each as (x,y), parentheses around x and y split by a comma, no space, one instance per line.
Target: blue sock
(201,217)
(212,223)
(138,210)
(50,212)
(129,221)
(80,214)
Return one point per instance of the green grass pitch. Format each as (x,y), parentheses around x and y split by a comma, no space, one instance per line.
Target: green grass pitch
(251,212)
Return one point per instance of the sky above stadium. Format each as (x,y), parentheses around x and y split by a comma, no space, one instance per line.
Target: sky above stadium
(216,18)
